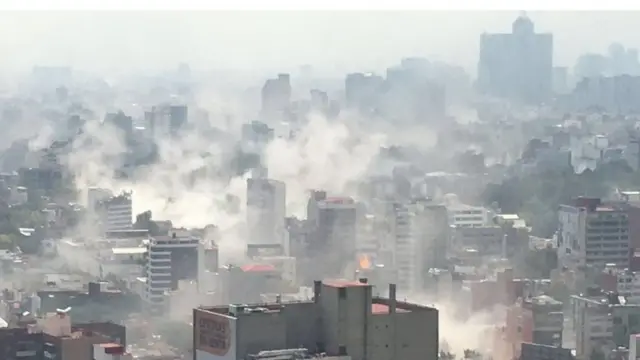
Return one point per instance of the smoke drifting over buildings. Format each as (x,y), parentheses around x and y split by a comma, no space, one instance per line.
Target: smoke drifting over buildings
(419,209)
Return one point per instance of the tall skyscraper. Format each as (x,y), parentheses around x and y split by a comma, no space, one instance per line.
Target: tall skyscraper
(266,211)
(333,238)
(517,66)
(178,115)
(276,95)
(362,90)
(420,236)
(121,122)
(166,120)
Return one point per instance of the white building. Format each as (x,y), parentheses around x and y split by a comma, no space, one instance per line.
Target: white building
(420,236)
(627,283)
(466,216)
(597,321)
(112,212)
(406,250)
(634,347)
(118,212)
(122,263)
(170,259)
(266,211)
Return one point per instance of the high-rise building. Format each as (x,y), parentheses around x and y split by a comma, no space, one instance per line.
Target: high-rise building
(421,235)
(113,213)
(167,120)
(333,238)
(116,212)
(319,101)
(121,122)
(276,95)
(410,93)
(560,80)
(170,259)
(593,233)
(266,211)
(517,66)
(178,118)
(362,90)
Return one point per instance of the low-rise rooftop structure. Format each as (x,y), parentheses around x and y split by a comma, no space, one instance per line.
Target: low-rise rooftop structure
(343,320)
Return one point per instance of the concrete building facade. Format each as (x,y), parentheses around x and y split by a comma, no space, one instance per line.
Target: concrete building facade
(266,211)
(170,259)
(517,65)
(334,222)
(593,233)
(344,319)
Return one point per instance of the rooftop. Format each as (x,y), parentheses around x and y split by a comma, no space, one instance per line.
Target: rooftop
(128,250)
(379,309)
(545,300)
(605,208)
(343,283)
(336,201)
(508,216)
(258,268)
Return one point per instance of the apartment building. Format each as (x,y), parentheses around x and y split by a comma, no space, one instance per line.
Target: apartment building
(544,352)
(55,338)
(420,237)
(170,258)
(624,282)
(486,240)
(548,320)
(266,211)
(344,319)
(593,233)
(602,320)
(112,213)
(332,242)
(466,216)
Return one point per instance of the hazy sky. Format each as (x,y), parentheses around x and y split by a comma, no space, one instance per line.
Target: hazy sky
(329,40)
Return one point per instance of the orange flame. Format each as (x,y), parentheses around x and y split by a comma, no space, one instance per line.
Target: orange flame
(365,263)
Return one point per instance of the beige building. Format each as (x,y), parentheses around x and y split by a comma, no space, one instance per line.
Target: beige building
(344,319)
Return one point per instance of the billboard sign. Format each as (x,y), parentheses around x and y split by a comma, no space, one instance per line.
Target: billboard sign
(215,336)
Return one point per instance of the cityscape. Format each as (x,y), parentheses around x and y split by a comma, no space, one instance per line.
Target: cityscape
(423,212)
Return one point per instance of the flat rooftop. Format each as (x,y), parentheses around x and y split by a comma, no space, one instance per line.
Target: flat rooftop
(256,268)
(379,309)
(343,283)
(128,250)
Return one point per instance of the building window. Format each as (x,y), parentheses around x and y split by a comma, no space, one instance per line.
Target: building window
(25,345)
(342,350)
(342,293)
